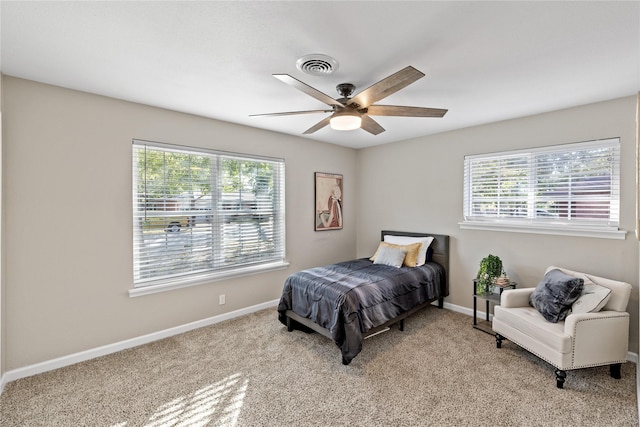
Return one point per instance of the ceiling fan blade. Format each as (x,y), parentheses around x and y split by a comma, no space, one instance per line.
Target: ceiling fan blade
(398,110)
(290,113)
(371,125)
(322,123)
(386,87)
(301,86)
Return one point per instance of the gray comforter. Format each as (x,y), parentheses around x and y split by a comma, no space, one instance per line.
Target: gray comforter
(350,298)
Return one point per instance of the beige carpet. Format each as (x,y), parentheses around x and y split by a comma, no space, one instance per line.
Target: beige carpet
(252,372)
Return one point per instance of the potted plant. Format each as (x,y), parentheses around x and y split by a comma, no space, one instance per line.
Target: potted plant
(490,269)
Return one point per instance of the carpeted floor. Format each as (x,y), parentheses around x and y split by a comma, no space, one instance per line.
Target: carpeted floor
(252,372)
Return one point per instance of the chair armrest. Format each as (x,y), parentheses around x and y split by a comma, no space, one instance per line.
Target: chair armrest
(598,338)
(605,320)
(516,297)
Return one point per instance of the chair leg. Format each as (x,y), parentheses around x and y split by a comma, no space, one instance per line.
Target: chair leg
(615,370)
(560,377)
(499,339)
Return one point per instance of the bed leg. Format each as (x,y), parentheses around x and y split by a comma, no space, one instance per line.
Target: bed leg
(289,324)
(440,302)
(402,325)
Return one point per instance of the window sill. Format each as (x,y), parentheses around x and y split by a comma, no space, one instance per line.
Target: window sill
(184,282)
(545,229)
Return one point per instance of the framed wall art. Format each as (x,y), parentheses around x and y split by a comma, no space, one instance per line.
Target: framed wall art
(328,193)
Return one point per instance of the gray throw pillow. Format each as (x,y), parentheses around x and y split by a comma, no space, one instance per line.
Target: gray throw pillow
(390,256)
(555,294)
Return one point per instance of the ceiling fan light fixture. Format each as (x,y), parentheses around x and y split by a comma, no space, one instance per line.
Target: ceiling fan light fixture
(345,120)
(355,113)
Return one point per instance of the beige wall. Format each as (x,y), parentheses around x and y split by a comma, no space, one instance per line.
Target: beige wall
(417,186)
(2,282)
(67,210)
(68,238)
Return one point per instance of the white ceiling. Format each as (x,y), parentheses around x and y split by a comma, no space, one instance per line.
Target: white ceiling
(484,61)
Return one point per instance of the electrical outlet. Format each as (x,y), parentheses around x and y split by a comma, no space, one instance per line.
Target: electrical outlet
(221,299)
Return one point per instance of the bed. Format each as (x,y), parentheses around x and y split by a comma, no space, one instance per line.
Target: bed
(351,300)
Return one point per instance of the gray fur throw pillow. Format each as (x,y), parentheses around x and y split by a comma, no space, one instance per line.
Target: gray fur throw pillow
(555,294)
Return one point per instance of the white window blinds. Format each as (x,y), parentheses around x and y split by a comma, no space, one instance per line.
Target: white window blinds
(567,185)
(198,212)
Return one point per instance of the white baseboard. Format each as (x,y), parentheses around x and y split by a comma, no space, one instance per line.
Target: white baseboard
(463,310)
(631,357)
(82,356)
(71,359)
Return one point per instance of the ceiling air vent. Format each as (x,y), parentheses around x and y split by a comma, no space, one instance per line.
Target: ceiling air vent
(317,64)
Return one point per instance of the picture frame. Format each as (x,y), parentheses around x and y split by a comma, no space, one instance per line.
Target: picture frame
(329,201)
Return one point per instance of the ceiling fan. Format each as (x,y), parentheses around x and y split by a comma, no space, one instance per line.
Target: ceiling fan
(353,113)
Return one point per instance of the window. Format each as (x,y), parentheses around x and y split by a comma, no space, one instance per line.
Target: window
(572,186)
(201,214)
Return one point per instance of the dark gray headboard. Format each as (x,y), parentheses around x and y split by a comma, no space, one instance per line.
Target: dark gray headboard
(440,246)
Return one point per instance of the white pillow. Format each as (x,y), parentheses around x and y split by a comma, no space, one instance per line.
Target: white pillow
(407,240)
(390,256)
(593,298)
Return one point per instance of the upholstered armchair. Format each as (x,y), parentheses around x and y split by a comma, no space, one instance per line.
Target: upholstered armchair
(593,331)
